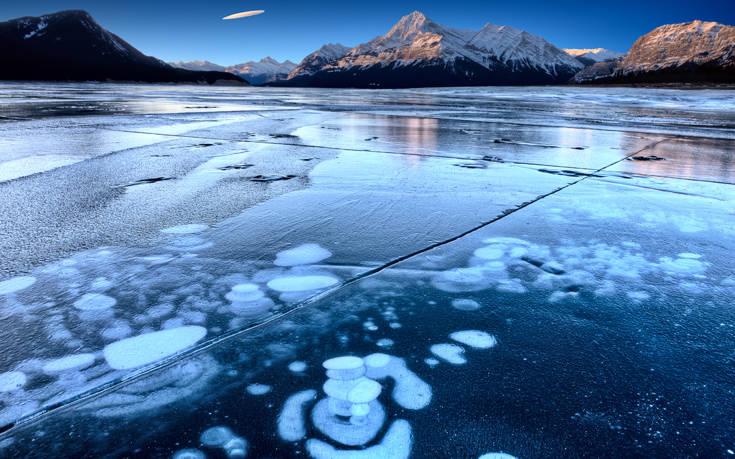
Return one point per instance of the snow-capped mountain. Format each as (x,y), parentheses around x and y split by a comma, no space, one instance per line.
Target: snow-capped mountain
(420,52)
(263,71)
(318,59)
(694,51)
(590,56)
(199,66)
(71,46)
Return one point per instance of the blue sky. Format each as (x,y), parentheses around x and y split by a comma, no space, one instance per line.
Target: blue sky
(187,30)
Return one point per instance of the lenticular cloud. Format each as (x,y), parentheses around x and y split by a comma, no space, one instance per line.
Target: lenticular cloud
(244,14)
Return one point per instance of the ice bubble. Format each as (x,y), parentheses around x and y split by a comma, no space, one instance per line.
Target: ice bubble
(682,265)
(511,286)
(150,347)
(297,366)
(339,388)
(12,380)
(94,302)
(160,310)
(291,420)
(258,389)
(236,448)
(450,353)
(461,280)
(465,304)
(339,407)
(70,362)
(301,283)
(385,342)
(16,284)
(431,361)
(497,456)
(345,432)
(118,331)
(189,454)
(474,338)
(101,284)
(185,229)
(302,255)
(365,391)
(396,444)
(343,363)
(638,296)
(395,325)
(409,391)
(245,292)
(492,252)
(216,436)
(176,322)
(360,409)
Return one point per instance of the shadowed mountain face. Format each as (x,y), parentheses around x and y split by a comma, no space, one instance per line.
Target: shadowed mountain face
(691,52)
(71,46)
(419,52)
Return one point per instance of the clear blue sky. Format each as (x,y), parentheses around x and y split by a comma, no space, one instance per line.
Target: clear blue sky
(187,30)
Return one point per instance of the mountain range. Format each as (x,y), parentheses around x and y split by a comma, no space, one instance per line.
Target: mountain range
(694,51)
(419,52)
(71,46)
(266,70)
(416,51)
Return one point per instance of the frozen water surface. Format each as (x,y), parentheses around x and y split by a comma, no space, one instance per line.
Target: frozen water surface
(458,272)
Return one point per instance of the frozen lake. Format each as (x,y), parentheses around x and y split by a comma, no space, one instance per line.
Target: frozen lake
(214,272)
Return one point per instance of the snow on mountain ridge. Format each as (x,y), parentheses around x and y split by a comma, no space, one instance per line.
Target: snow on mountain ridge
(593,54)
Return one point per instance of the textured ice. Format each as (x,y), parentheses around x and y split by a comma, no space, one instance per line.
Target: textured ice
(150,347)
(16,284)
(12,380)
(474,338)
(396,444)
(292,418)
(301,283)
(185,229)
(94,302)
(70,362)
(258,389)
(449,352)
(465,304)
(302,255)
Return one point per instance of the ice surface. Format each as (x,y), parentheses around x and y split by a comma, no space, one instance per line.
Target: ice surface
(474,338)
(301,283)
(16,284)
(147,348)
(302,255)
(185,229)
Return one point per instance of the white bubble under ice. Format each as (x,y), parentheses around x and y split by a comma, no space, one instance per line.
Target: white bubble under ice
(291,421)
(474,338)
(346,432)
(396,444)
(449,352)
(216,436)
(150,347)
(16,284)
(497,456)
(302,255)
(301,283)
(94,302)
(189,454)
(258,389)
(185,229)
(12,380)
(409,391)
(297,366)
(70,362)
(465,304)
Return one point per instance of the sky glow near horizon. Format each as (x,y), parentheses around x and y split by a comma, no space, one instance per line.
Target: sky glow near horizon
(188,30)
